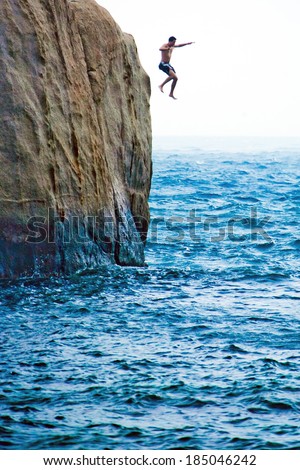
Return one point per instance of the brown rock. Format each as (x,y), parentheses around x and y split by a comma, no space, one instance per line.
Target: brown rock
(75,140)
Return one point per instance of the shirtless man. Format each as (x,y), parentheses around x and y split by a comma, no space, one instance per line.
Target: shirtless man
(165,66)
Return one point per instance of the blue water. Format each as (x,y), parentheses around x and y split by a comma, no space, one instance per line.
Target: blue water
(199,349)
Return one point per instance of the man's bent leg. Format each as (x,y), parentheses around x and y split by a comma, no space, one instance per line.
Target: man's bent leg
(163,84)
(175,79)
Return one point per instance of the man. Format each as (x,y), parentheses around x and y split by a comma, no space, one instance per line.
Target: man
(165,66)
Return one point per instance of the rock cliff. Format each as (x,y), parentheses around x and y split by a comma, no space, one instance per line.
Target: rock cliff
(75,140)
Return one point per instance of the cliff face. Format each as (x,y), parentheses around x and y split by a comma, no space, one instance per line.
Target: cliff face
(75,139)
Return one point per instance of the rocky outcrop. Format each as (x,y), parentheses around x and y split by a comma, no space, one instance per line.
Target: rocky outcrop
(75,140)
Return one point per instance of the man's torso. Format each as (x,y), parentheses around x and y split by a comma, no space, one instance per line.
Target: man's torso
(166,55)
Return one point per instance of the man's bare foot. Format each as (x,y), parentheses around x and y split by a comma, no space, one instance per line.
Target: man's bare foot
(161,88)
(172,96)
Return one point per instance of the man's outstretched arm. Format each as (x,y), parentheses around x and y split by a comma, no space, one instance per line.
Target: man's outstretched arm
(184,44)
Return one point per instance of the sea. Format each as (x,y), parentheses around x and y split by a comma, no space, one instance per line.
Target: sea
(198,349)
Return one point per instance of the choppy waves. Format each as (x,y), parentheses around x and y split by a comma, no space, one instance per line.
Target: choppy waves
(200,349)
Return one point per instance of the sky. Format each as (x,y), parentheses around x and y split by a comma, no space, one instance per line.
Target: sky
(240,78)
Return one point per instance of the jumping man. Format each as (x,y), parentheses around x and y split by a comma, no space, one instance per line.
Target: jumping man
(165,66)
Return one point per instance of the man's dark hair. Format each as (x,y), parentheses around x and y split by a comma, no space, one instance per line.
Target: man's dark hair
(172,38)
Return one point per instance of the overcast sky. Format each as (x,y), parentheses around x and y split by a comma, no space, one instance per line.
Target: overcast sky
(240,78)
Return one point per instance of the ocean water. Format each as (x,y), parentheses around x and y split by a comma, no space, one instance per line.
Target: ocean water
(197,350)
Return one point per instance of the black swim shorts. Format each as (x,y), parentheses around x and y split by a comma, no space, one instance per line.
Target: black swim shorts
(166,67)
